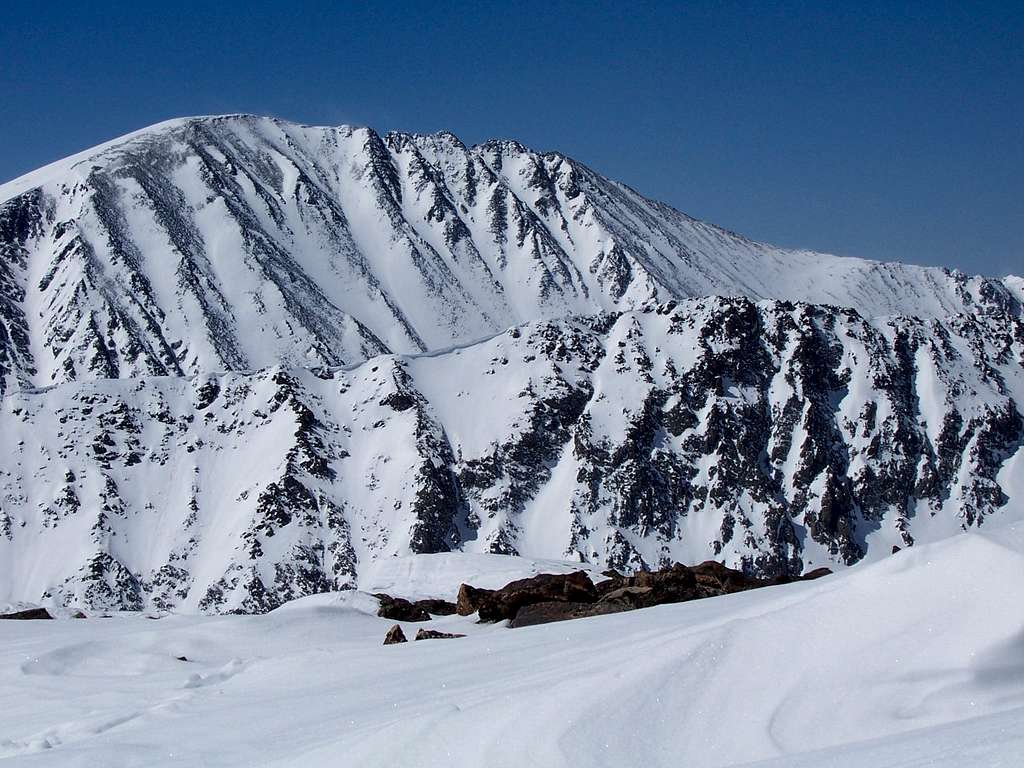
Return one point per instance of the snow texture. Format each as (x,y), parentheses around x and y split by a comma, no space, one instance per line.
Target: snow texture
(915,660)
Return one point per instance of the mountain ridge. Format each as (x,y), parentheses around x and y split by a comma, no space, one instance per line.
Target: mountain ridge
(171,250)
(775,437)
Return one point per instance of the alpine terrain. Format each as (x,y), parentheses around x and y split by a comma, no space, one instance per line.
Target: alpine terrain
(243,360)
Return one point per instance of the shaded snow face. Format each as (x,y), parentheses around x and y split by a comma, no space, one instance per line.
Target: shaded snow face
(774,437)
(240,242)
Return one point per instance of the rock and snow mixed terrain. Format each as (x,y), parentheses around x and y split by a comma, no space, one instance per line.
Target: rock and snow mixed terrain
(240,242)
(915,660)
(483,349)
(774,437)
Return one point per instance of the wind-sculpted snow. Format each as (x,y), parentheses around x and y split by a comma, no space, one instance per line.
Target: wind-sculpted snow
(775,437)
(239,242)
(916,660)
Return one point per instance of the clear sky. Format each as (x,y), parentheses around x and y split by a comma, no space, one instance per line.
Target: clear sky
(885,130)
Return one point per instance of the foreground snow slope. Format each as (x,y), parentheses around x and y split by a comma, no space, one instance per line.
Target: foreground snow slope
(916,660)
(236,242)
(773,436)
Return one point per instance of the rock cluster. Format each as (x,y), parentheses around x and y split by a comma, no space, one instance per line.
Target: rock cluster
(547,597)
(504,603)
(400,609)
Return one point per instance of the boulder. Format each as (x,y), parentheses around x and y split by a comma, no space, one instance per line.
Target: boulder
(551,611)
(669,585)
(630,597)
(504,603)
(29,614)
(718,579)
(395,635)
(437,607)
(817,573)
(433,634)
(400,609)
(470,598)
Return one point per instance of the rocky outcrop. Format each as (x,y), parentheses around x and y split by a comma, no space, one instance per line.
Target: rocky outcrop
(646,589)
(501,604)
(548,612)
(400,609)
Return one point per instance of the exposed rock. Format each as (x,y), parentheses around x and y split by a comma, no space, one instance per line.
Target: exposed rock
(437,607)
(817,573)
(395,635)
(78,615)
(630,597)
(470,598)
(499,604)
(792,475)
(716,578)
(433,634)
(645,589)
(551,611)
(400,609)
(28,614)
(674,584)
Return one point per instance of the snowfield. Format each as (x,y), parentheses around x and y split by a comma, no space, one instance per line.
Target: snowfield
(914,660)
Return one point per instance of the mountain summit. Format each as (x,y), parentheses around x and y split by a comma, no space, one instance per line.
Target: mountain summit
(239,242)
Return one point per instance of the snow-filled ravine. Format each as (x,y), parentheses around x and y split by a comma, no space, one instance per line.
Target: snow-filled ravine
(914,660)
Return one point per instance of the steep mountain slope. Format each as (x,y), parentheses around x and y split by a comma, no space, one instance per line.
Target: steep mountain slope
(239,242)
(773,436)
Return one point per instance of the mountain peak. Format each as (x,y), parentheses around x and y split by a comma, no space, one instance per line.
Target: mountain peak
(239,241)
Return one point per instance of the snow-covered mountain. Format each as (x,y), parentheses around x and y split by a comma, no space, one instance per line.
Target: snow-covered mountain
(773,436)
(241,359)
(240,242)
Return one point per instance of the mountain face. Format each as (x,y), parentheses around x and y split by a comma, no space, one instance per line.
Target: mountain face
(241,358)
(773,436)
(240,242)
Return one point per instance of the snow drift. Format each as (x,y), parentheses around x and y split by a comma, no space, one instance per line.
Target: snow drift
(914,660)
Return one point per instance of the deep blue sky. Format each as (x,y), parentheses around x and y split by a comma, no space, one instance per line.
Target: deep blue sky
(892,131)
